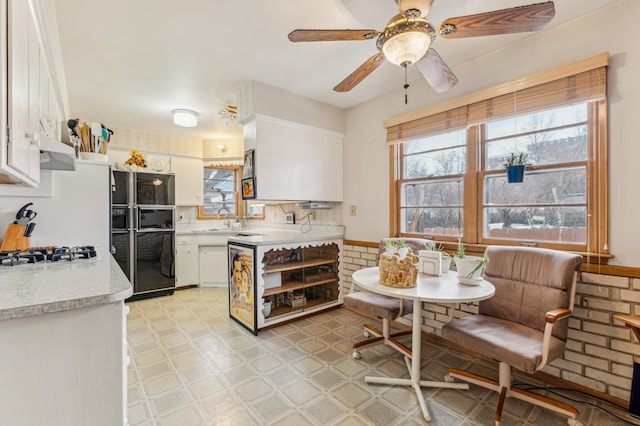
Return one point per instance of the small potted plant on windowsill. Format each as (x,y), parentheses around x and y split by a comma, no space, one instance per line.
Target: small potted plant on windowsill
(515,166)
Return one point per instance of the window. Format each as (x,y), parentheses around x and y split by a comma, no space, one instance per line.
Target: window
(221,190)
(551,204)
(450,181)
(432,184)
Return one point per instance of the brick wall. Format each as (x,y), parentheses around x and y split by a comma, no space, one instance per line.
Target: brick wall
(599,352)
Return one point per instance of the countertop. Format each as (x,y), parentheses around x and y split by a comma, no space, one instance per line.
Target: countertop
(271,236)
(61,286)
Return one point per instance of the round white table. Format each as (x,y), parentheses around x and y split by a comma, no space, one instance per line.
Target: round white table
(437,289)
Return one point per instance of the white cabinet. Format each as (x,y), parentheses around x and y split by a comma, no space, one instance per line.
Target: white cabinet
(50,118)
(20,154)
(27,92)
(189,180)
(186,261)
(213,266)
(294,161)
(64,368)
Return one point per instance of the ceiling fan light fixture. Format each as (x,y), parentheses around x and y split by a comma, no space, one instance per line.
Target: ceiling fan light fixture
(405,43)
(185,118)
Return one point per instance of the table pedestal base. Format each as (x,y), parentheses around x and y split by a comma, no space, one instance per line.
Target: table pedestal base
(414,367)
(416,385)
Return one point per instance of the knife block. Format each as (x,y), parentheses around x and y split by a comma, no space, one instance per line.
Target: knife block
(14,238)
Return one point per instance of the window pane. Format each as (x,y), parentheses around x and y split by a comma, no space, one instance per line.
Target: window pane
(219,191)
(550,147)
(432,221)
(556,117)
(566,186)
(440,155)
(433,143)
(551,224)
(438,163)
(214,208)
(433,194)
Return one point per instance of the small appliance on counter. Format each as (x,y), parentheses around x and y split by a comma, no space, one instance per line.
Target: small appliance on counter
(143,230)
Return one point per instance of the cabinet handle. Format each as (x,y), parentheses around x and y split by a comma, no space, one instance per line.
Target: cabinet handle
(34,138)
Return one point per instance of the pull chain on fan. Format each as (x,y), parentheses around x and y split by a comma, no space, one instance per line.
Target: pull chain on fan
(406,86)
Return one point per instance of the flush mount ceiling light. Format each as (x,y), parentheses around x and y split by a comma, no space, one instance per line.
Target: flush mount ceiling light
(406,38)
(185,118)
(228,115)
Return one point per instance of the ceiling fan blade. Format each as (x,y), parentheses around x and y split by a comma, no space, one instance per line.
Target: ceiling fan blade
(358,75)
(436,72)
(515,20)
(331,35)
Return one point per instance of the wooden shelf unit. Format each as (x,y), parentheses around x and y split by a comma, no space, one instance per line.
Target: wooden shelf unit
(290,266)
(313,274)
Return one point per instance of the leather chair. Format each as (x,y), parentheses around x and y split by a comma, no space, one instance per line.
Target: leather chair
(383,307)
(525,324)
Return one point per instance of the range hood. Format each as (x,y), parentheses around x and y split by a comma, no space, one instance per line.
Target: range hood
(56,155)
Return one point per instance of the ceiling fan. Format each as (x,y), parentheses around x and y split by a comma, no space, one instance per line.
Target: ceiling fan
(407,38)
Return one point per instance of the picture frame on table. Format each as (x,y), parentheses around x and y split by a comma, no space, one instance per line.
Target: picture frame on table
(248,169)
(242,289)
(249,188)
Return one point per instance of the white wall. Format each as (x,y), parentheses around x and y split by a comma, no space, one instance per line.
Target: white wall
(610,30)
(277,103)
(77,213)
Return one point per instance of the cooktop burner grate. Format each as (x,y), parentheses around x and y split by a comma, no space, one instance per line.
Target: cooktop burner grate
(46,254)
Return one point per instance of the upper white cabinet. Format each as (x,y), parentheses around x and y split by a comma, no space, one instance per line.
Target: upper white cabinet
(19,153)
(189,180)
(26,94)
(294,161)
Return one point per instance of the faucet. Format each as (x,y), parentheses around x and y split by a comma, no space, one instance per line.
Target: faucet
(227,222)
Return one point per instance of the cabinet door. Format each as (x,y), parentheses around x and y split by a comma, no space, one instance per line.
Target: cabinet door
(213,266)
(189,183)
(23,154)
(186,264)
(34,103)
(295,162)
(18,87)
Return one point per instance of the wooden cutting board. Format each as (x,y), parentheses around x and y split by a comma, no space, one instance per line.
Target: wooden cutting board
(14,238)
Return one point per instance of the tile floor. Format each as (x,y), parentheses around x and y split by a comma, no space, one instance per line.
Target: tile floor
(192,365)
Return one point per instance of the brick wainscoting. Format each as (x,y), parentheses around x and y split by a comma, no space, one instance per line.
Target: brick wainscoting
(600,351)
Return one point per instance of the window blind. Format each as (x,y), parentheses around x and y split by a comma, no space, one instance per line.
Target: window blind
(578,82)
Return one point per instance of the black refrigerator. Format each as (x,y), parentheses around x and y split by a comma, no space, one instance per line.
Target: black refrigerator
(143,232)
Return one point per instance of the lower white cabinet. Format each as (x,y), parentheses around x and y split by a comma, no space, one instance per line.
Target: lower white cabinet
(64,368)
(213,266)
(186,261)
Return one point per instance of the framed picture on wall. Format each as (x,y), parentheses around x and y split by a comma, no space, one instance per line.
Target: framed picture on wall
(249,188)
(242,278)
(248,170)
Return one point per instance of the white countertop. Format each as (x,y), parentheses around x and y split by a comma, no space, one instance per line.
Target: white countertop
(269,236)
(60,286)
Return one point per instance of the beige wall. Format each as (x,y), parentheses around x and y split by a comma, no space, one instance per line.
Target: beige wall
(366,156)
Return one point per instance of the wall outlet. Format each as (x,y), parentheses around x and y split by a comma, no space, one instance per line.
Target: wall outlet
(289,218)
(353,210)
(310,214)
